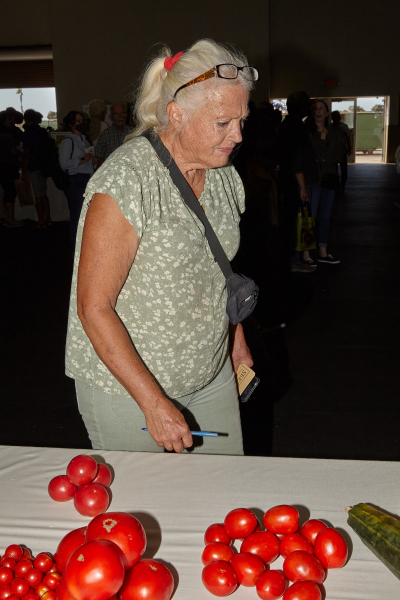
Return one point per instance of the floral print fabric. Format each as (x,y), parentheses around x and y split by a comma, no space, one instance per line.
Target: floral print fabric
(173,302)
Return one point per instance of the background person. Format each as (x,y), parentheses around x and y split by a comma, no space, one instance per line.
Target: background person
(148,300)
(345,136)
(79,164)
(97,113)
(113,137)
(9,169)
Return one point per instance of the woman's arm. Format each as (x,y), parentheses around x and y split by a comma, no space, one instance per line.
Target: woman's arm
(109,246)
(240,353)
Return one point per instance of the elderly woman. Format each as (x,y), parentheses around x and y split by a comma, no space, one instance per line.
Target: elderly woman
(148,336)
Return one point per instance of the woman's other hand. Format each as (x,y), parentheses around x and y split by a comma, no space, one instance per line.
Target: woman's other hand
(239,350)
(167,425)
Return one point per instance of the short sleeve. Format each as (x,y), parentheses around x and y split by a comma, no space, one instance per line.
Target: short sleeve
(117,179)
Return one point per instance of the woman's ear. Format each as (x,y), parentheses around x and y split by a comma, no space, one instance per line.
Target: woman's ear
(175,114)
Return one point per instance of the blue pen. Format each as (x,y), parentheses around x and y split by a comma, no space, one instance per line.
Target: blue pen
(200,433)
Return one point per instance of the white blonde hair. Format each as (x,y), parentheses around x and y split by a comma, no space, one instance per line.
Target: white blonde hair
(97,108)
(158,86)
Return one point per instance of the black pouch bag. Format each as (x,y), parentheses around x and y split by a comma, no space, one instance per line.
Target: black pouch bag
(242,291)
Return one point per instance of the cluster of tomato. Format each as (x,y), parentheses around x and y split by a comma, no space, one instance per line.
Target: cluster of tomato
(104,559)
(307,552)
(86,482)
(23,576)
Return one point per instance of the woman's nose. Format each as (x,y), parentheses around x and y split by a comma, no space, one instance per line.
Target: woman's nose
(237,133)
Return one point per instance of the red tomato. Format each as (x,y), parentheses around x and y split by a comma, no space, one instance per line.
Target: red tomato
(295,541)
(311,529)
(12,597)
(302,566)
(26,552)
(41,589)
(19,587)
(52,580)
(240,522)
(51,595)
(82,469)
(14,551)
(6,575)
(281,519)
(103,475)
(95,571)
(303,590)
(264,543)
(248,568)
(33,577)
(10,563)
(31,596)
(271,585)
(5,591)
(91,500)
(216,551)
(22,567)
(61,489)
(54,569)
(124,530)
(219,578)
(330,548)
(68,545)
(216,533)
(147,579)
(62,591)
(43,562)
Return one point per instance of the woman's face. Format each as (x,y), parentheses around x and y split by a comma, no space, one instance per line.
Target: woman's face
(78,121)
(320,112)
(211,134)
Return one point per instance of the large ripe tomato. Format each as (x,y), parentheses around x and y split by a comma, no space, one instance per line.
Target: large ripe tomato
(124,530)
(271,585)
(6,575)
(281,519)
(295,541)
(94,571)
(82,469)
(303,590)
(148,579)
(103,475)
(216,533)
(240,522)
(216,551)
(43,562)
(68,545)
(22,567)
(14,551)
(311,529)
(302,566)
(219,578)
(91,500)
(33,577)
(61,489)
(248,568)
(19,587)
(331,548)
(62,592)
(264,543)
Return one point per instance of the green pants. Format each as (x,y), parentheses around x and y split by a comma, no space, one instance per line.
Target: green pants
(115,422)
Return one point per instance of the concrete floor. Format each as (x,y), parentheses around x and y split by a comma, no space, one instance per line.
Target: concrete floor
(329,379)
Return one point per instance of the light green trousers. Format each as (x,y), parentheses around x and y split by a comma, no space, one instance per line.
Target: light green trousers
(115,422)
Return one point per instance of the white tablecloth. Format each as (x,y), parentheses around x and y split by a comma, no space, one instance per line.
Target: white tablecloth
(176,497)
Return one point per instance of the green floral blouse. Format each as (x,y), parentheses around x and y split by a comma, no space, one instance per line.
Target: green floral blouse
(173,302)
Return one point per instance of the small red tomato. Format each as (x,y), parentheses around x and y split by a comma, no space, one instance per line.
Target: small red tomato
(22,567)
(216,551)
(219,578)
(52,580)
(6,575)
(8,562)
(41,589)
(264,543)
(14,551)
(281,519)
(271,585)
(302,566)
(5,592)
(13,597)
(31,596)
(311,529)
(61,489)
(33,577)
(67,546)
(216,533)
(240,522)
(54,569)
(43,562)
(103,475)
(331,548)
(303,590)
(148,579)
(248,568)
(26,552)
(295,541)
(19,587)
(91,500)
(82,469)
(51,595)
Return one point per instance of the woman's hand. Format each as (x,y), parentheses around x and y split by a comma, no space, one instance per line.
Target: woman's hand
(239,350)
(95,159)
(167,425)
(87,157)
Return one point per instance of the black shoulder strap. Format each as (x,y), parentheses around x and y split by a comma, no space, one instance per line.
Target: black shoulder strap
(192,202)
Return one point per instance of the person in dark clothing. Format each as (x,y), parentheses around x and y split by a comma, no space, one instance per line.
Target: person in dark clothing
(297,173)
(345,138)
(9,168)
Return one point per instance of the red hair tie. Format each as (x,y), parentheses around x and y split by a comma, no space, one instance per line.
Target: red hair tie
(171,61)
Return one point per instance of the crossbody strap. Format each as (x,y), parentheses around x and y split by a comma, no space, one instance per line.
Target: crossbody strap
(192,202)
